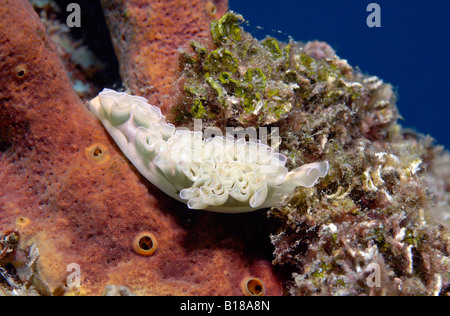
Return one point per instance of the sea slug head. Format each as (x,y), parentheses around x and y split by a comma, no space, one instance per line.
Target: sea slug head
(218,174)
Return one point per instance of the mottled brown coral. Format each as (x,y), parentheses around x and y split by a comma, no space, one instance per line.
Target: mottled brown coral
(73,198)
(147,35)
(82,66)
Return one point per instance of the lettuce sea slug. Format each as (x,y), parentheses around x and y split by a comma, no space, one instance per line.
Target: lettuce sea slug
(217,174)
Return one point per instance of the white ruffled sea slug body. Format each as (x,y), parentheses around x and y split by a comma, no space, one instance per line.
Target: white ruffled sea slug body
(217,174)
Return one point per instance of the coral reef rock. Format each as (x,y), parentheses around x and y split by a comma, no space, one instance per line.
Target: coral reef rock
(76,218)
(378,223)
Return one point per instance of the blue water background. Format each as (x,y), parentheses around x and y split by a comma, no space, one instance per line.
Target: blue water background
(411,50)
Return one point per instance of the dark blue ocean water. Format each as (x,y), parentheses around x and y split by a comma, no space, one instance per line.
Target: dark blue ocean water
(411,49)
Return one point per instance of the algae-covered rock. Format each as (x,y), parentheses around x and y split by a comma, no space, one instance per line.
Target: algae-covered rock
(378,223)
